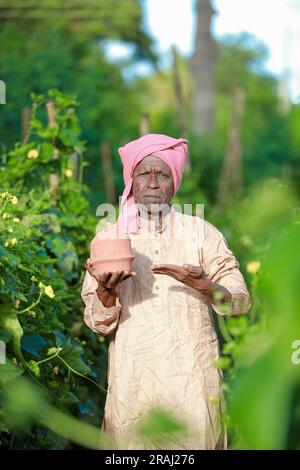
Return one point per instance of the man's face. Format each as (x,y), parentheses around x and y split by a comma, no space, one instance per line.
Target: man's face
(152,182)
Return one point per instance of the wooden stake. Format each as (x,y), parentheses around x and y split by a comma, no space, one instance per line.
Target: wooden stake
(50,107)
(144,124)
(74,158)
(53,177)
(107,172)
(25,121)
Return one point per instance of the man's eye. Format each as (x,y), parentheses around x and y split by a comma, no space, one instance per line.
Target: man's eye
(163,175)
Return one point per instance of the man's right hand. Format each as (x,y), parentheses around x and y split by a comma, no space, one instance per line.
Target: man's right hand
(107,283)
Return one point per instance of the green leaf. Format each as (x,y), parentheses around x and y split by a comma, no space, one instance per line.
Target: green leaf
(8,372)
(222,362)
(159,424)
(5,336)
(24,268)
(73,358)
(69,398)
(229,347)
(34,367)
(86,409)
(10,258)
(33,344)
(237,326)
(22,297)
(48,133)
(36,123)
(65,251)
(9,321)
(47,151)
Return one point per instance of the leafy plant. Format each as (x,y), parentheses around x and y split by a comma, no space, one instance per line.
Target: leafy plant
(44,231)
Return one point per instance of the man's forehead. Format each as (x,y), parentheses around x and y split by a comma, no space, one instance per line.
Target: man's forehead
(152,161)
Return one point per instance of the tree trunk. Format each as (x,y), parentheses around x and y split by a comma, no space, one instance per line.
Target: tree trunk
(203,62)
(231,175)
(181,106)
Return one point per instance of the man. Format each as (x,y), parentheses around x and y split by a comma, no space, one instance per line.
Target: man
(163,339)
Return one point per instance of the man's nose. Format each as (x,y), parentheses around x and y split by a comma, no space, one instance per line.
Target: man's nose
(152,181)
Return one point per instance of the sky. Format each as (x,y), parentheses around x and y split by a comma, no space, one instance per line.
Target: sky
(274,22)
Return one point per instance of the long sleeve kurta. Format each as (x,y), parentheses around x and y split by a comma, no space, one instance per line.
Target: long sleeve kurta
(163,338)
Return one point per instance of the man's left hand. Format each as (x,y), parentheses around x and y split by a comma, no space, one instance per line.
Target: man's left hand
(192,276)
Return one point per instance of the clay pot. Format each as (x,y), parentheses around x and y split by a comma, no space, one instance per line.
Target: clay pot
(111,254)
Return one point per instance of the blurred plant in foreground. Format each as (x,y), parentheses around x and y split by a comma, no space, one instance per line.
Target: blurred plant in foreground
(262,380)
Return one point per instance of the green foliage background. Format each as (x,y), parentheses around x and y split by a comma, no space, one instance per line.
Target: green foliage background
(44,332)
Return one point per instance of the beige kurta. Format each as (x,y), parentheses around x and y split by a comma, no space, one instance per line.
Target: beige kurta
(163,336)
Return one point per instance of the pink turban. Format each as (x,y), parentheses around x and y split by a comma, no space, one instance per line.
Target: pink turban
(173,152)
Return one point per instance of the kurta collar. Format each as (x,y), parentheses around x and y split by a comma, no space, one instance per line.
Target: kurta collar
(150,225)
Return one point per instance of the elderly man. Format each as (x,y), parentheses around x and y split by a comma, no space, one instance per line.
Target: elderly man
(163,341)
